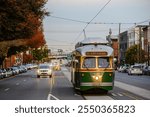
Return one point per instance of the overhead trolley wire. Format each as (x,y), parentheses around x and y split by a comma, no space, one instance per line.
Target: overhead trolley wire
(142,22)
(92,20)
(68,19)
(97,14)
(80,21)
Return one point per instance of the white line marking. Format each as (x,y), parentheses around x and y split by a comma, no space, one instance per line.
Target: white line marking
(113,94)
(24,80)
(120,94)
(50,95)
(77,94)
(7,89)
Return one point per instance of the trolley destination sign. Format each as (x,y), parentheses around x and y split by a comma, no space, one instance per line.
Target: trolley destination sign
(96,53)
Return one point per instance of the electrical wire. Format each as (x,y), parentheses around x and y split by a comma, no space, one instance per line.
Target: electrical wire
(142,22)
(75,31)
(61,45)
(97,14)
(91,20)
(79,21)
(57,40)
(67,19)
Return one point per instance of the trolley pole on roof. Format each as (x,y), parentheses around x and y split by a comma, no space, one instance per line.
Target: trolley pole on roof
(84,33)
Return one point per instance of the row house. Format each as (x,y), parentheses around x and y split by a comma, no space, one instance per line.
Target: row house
(123,45)
(146,34)
(13,60)
(136,36)
(131,37)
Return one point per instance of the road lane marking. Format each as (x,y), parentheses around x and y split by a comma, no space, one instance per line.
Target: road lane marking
(113,94)
(120,94)
(6,89)
(50,95)
(77,94)
(132,97)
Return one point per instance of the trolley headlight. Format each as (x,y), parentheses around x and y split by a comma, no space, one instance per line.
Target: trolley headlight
(97,78)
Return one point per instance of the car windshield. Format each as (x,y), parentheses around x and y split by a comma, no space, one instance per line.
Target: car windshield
(137,67)
(89,62)
(103,62)
(44,67)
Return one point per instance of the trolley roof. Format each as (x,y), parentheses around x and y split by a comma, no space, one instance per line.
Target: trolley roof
(95,48)
(92,41)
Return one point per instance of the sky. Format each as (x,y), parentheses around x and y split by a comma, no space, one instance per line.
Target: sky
(64,34)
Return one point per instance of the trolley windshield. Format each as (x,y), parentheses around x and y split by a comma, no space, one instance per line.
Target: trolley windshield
(89,62)
(103,62)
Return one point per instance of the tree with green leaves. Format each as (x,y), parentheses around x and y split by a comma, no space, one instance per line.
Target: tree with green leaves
(132,55)
(40,54)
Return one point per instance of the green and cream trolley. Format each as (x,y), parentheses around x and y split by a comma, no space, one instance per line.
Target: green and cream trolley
(92,65)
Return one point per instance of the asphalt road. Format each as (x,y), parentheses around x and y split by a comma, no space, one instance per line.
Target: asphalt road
(142,81)
(27,86)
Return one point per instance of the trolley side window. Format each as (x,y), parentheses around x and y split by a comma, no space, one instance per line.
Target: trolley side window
(89,62)
(78,62)
(103,62)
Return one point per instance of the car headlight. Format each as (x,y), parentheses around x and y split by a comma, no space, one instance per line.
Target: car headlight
(50,71)
(38,71)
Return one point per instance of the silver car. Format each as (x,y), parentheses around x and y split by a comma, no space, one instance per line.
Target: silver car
(135,70)
(44,70)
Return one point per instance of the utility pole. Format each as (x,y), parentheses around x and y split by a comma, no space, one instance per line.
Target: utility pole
(140,45)
(119,54)
(148,54)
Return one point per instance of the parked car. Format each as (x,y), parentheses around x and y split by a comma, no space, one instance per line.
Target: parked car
(24,68)
(123,69)
(4,72)
(9,72)
(44,70)
(1,74)
(16,70)
(135,70)
(146,70)
(120,68)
